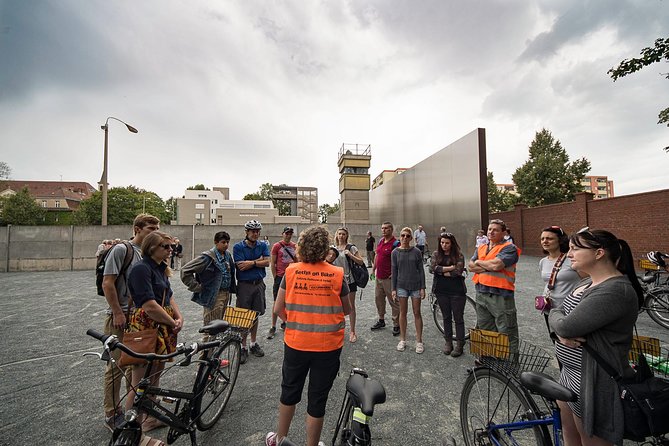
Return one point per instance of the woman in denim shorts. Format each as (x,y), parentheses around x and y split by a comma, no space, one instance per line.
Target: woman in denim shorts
(408,282)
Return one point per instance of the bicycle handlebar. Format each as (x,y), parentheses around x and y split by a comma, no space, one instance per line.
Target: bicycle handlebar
(113,343)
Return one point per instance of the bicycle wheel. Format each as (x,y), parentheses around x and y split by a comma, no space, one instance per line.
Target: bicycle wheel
(470,316)
(657,305)
(217,384)
(342,432)
(126,437)
(490,398)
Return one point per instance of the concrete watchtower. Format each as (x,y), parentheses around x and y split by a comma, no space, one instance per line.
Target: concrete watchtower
(354,182)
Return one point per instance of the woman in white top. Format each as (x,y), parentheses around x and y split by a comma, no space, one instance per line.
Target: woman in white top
(348,252)
(555,243)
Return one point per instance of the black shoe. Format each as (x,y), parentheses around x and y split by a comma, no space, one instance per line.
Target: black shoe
(379,325)
(396,331)
(256,350)
(244,356)
(283,325)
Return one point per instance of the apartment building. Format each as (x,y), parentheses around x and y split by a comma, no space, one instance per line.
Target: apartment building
(212,207)
(386,175)
(303,201)
(599,186)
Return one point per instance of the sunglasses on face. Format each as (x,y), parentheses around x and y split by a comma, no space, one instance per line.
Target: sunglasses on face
(167,246)
(405,235)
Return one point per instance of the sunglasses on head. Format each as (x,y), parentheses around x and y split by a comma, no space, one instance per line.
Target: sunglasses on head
(553,229)
(446,234)
(497,221)
(589,235)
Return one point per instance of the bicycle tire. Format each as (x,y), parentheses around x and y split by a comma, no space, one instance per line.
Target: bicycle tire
(470,315)
(217,384)
(657,306)
(488,397)
(342,432)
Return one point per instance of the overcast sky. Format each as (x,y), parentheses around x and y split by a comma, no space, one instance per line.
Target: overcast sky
(239,93)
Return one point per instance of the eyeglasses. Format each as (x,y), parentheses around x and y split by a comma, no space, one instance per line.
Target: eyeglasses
(556,228)
(405,235)
(167,246)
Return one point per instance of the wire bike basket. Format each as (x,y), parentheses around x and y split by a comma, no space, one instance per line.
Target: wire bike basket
(491,349)
(656,356)
(240,319)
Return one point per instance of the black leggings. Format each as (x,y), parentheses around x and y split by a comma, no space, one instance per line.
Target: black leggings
(453,308)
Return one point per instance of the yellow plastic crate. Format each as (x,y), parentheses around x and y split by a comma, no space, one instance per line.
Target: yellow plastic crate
(648,265)
(240,317)
(644,344)
(489,344)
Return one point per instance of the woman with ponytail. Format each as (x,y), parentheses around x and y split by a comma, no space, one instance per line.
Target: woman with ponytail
(601,311)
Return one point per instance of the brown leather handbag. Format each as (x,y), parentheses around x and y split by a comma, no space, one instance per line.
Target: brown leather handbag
(142,341)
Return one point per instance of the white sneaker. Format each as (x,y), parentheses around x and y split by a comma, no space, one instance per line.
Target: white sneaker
(270,439)
(420,348)
(321,443)
(401,346)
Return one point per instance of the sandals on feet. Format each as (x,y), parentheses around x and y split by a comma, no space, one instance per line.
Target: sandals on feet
(152,423)
(149,441)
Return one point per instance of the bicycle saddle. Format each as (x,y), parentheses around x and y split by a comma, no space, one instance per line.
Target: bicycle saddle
(367,392)
(214,327)
(546,386)
(647,278)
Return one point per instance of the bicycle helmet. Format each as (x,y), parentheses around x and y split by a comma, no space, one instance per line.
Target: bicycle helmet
(657,258)
(252,225)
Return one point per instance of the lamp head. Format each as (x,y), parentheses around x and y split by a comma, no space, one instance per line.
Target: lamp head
(131,128)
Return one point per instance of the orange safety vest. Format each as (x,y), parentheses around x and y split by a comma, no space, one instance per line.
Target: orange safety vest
(504,279)
(315,316)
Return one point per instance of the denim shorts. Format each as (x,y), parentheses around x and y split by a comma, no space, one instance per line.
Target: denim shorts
(401,292)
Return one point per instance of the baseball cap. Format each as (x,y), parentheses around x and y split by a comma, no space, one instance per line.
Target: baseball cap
(287,229)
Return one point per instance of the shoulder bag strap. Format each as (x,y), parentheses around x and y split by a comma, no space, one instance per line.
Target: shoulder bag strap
(288,252)
(554,273)
(602,363)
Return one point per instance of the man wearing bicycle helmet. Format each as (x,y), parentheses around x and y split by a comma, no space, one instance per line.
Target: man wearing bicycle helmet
(251,259)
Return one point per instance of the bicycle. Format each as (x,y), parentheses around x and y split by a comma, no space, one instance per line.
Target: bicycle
(357,409)
(656,292)
(199,409)
(495,406)
(470,314)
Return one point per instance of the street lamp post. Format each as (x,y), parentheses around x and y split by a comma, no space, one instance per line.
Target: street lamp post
(103,180)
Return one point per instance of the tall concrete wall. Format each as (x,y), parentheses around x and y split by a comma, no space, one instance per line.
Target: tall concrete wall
(61,248)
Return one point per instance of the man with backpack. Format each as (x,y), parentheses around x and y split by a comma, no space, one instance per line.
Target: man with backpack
(282,255)
(211,278)
(117,263)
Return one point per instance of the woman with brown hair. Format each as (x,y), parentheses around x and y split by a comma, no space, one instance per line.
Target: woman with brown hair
(447,265)
(154,307)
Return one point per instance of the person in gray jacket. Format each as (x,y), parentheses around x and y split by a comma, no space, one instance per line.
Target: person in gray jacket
(601,311)
(408,283)
(211,278)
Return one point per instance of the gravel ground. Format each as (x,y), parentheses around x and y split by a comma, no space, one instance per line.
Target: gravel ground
(51,394)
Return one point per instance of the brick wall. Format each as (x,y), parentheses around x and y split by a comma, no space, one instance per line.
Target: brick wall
(640,219)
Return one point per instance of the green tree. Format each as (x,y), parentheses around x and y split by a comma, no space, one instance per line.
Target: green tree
(548,176)
(123,204)
(325,210)
(266,192)
(499,200)
(171,208)
(21,209)
(649,56)
(5,170)
(197,187)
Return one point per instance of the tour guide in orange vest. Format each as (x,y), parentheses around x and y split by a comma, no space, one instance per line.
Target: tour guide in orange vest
(314,310)
(494,268)
(313,300)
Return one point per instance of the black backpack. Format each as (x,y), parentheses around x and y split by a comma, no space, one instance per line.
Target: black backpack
(102,259)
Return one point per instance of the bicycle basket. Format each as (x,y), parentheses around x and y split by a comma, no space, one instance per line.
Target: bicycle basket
(656,356)
(492,350)
(240,318)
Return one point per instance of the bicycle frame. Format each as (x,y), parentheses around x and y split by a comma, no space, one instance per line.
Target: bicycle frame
(553,419)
